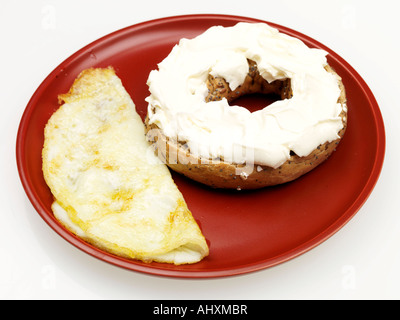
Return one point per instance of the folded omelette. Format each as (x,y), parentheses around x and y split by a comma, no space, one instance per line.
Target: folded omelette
(108,187)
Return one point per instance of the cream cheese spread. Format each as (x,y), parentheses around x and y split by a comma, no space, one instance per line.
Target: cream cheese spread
(218,130)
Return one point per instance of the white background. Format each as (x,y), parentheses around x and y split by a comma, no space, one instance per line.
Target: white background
(361,261)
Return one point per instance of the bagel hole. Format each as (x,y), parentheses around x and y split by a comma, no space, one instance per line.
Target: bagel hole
(255,101)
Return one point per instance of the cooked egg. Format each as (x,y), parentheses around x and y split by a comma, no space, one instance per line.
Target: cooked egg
(108,189)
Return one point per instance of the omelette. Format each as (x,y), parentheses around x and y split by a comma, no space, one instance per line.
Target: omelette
(109,188)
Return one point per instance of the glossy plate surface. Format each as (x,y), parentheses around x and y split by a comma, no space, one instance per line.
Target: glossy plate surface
(246,230)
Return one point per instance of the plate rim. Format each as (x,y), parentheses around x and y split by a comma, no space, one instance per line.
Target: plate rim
(132,265)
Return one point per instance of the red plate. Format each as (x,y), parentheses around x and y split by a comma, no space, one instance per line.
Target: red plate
(246,231)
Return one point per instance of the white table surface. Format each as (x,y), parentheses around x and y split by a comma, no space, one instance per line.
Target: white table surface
(361,261)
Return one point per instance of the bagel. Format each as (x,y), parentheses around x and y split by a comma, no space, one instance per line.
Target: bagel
(279,163)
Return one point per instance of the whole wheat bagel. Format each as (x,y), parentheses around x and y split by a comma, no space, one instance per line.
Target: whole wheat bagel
(219,174)
(197,131)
